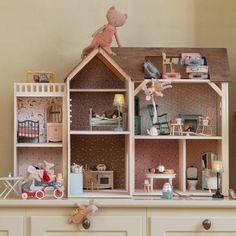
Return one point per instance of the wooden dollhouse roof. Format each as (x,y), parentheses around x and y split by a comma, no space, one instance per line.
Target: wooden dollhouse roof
(131,60)
(106,59)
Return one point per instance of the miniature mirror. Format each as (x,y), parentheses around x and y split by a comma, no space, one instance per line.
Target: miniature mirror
(207,159)
(208,177)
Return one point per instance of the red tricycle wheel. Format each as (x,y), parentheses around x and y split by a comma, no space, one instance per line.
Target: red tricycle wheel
(39,194)
(24,196)
(58,194)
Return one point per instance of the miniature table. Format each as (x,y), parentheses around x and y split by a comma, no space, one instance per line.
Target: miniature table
(10,184)
(159,176)
(179,129)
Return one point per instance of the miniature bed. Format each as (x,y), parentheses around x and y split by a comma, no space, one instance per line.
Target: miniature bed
(28,129)
(102,121)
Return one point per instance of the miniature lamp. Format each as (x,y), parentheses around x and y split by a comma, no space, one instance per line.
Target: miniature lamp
(217,167)
(119,102)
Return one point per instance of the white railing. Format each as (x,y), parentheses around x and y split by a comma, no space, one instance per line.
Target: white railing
(40,89)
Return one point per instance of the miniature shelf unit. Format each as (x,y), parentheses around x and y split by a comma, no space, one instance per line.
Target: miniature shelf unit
(95,133)
(43,104)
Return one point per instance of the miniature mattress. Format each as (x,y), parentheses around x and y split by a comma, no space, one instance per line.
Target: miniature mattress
(104,120)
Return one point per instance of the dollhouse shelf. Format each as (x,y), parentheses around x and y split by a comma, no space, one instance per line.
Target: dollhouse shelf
(200,193)
(179,137)
(98,132)
(39,145)
(116,193)
(183,81)
(99,90)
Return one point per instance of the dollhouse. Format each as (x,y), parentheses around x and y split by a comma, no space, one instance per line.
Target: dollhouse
(106,123)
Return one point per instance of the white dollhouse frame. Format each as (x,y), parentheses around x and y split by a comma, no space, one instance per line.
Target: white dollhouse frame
(123,76)
(223,150)
(132,88)
(50,90)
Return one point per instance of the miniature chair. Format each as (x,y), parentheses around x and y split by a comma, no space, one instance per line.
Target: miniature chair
(147,185)
(166,61)
(206,123)
(176,128)
(88,179)
(162,123)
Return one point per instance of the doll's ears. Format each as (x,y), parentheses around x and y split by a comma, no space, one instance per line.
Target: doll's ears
(112,8)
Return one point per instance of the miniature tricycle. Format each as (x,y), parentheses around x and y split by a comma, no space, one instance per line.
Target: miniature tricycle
(42,182)
(41,191)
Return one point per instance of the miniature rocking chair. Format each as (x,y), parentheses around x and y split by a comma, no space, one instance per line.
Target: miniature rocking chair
(162,123)
(206,123)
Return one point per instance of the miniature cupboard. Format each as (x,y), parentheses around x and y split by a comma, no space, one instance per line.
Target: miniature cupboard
(107,120)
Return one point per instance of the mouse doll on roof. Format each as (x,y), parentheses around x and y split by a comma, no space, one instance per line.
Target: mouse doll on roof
(103,36)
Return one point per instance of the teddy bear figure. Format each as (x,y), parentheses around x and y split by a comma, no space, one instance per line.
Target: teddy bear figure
(82,212)
(103,36)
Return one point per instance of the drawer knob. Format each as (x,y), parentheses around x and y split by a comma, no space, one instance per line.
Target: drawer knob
(206,224)
(86,223)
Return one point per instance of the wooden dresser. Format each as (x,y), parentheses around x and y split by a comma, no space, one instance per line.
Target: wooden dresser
(54,132)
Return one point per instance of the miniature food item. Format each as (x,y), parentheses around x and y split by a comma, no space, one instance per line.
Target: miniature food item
(169,171)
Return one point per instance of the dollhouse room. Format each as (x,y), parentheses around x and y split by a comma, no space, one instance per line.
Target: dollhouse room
(118,120)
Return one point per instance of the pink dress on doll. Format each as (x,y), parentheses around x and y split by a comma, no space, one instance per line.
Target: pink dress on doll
(103,38)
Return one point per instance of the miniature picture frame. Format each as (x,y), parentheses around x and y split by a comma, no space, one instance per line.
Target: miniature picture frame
(39,77)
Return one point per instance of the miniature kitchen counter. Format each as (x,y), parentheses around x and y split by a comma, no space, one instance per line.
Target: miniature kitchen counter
(131,217)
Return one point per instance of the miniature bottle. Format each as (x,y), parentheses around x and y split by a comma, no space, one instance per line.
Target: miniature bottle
(167,191)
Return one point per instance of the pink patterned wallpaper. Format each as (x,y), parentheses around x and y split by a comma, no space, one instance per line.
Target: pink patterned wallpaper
(149,153)
(35,108)
(195,148)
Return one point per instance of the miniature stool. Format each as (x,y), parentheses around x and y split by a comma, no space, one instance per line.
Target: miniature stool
(179,129)
(147,185)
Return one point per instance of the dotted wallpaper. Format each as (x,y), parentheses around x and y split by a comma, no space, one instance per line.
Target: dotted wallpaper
(195,148)
(101,149)
(81,102)
(33,156)
(96,75)
(181,99)
(150,153)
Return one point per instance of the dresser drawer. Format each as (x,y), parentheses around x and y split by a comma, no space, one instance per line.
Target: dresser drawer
(191,222)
